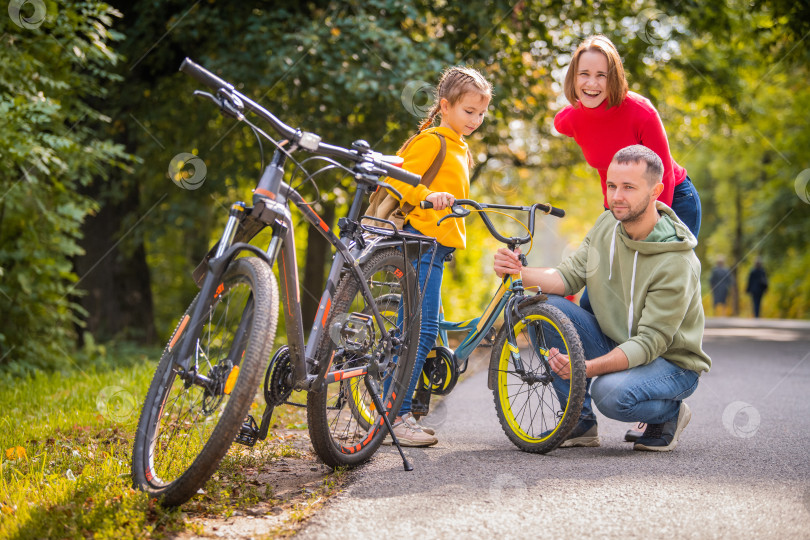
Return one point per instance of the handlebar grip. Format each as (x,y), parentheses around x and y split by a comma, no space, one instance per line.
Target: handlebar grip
(558,212)
(398,173)
(203,75)
(425,205)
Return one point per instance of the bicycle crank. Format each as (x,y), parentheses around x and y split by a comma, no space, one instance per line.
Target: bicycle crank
(277,388)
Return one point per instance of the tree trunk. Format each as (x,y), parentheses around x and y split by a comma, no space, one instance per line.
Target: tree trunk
(317,257)
(114,274)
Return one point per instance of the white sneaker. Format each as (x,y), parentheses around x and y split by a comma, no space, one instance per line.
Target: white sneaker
(409,417)
(409,435)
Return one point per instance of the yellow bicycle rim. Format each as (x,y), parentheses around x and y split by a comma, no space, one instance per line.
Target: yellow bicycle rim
(505,365)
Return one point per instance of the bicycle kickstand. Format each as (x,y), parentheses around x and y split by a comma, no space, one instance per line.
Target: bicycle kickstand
(371,385)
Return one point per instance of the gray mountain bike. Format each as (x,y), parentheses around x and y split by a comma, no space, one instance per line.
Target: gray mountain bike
(357,357)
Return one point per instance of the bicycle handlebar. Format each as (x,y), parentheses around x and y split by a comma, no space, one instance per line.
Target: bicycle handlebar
(306,140)
(458,211)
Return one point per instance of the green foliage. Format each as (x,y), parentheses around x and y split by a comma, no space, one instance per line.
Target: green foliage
(727,79)
(337,69)
(738,99)
(48,150)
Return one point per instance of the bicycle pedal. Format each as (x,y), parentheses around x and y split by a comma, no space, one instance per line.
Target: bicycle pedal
(248,433)
(419,410)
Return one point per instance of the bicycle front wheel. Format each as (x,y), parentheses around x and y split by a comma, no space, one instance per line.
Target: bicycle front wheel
(534,415)
(185,429)
(345,426)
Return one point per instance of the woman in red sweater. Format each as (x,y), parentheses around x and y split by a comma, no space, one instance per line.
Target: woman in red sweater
(603,117)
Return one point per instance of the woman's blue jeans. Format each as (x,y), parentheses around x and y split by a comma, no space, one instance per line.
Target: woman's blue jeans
(686,205)
(431,301)
(651,393)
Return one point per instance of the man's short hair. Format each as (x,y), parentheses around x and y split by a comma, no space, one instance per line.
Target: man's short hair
(638,153)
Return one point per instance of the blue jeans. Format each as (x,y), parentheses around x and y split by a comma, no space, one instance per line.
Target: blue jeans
(431,301)
(686,205)
(651,393)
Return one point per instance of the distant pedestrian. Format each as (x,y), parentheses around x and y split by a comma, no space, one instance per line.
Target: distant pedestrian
(720,281)
(757,285)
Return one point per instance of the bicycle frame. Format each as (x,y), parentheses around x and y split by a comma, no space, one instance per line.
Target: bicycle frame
(220,346)
(511,285)
(271,210)
(478,328)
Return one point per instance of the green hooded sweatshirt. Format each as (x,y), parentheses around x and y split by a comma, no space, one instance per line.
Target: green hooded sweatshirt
(645,294)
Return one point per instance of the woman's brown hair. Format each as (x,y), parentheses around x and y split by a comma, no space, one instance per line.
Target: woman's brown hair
(616,80)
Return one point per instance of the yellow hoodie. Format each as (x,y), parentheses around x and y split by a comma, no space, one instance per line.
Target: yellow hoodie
(453,177)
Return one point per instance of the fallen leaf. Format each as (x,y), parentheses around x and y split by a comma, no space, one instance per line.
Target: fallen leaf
(15,452)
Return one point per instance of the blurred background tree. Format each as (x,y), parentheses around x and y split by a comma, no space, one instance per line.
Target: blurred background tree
(728,79)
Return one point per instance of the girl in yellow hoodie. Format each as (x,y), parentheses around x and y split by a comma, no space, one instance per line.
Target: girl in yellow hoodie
(462,98)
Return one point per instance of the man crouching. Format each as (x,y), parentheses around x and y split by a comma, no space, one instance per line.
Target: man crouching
(643,341)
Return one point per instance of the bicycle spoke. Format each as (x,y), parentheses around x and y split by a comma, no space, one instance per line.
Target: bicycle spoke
(529,406)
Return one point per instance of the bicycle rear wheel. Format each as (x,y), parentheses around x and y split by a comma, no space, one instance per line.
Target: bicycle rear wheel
(344,425)
(388,305)
(534,416)
(186,429)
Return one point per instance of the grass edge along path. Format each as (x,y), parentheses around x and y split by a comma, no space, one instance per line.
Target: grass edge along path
(65,450)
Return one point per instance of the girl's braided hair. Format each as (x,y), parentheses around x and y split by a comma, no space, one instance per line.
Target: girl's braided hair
(454,83)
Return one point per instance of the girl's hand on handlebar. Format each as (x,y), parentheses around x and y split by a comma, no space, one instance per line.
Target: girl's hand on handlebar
(559,363)
(440,200)
(507,262)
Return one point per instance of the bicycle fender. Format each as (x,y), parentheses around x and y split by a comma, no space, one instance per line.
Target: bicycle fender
(492,376)
(527,301)
(219,265)
(374,246)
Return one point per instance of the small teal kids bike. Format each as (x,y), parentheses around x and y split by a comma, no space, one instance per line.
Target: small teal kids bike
(534,416)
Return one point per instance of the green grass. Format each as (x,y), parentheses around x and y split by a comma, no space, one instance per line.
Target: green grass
(71,478)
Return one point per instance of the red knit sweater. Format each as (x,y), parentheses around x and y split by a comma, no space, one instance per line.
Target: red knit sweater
(601,132)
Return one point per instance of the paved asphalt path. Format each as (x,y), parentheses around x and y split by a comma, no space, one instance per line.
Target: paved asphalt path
(741,469)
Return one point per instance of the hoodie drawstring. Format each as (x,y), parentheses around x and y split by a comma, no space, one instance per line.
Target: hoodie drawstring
(612,249)
(632,290)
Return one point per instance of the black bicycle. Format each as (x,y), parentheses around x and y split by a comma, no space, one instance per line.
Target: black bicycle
(357,357)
